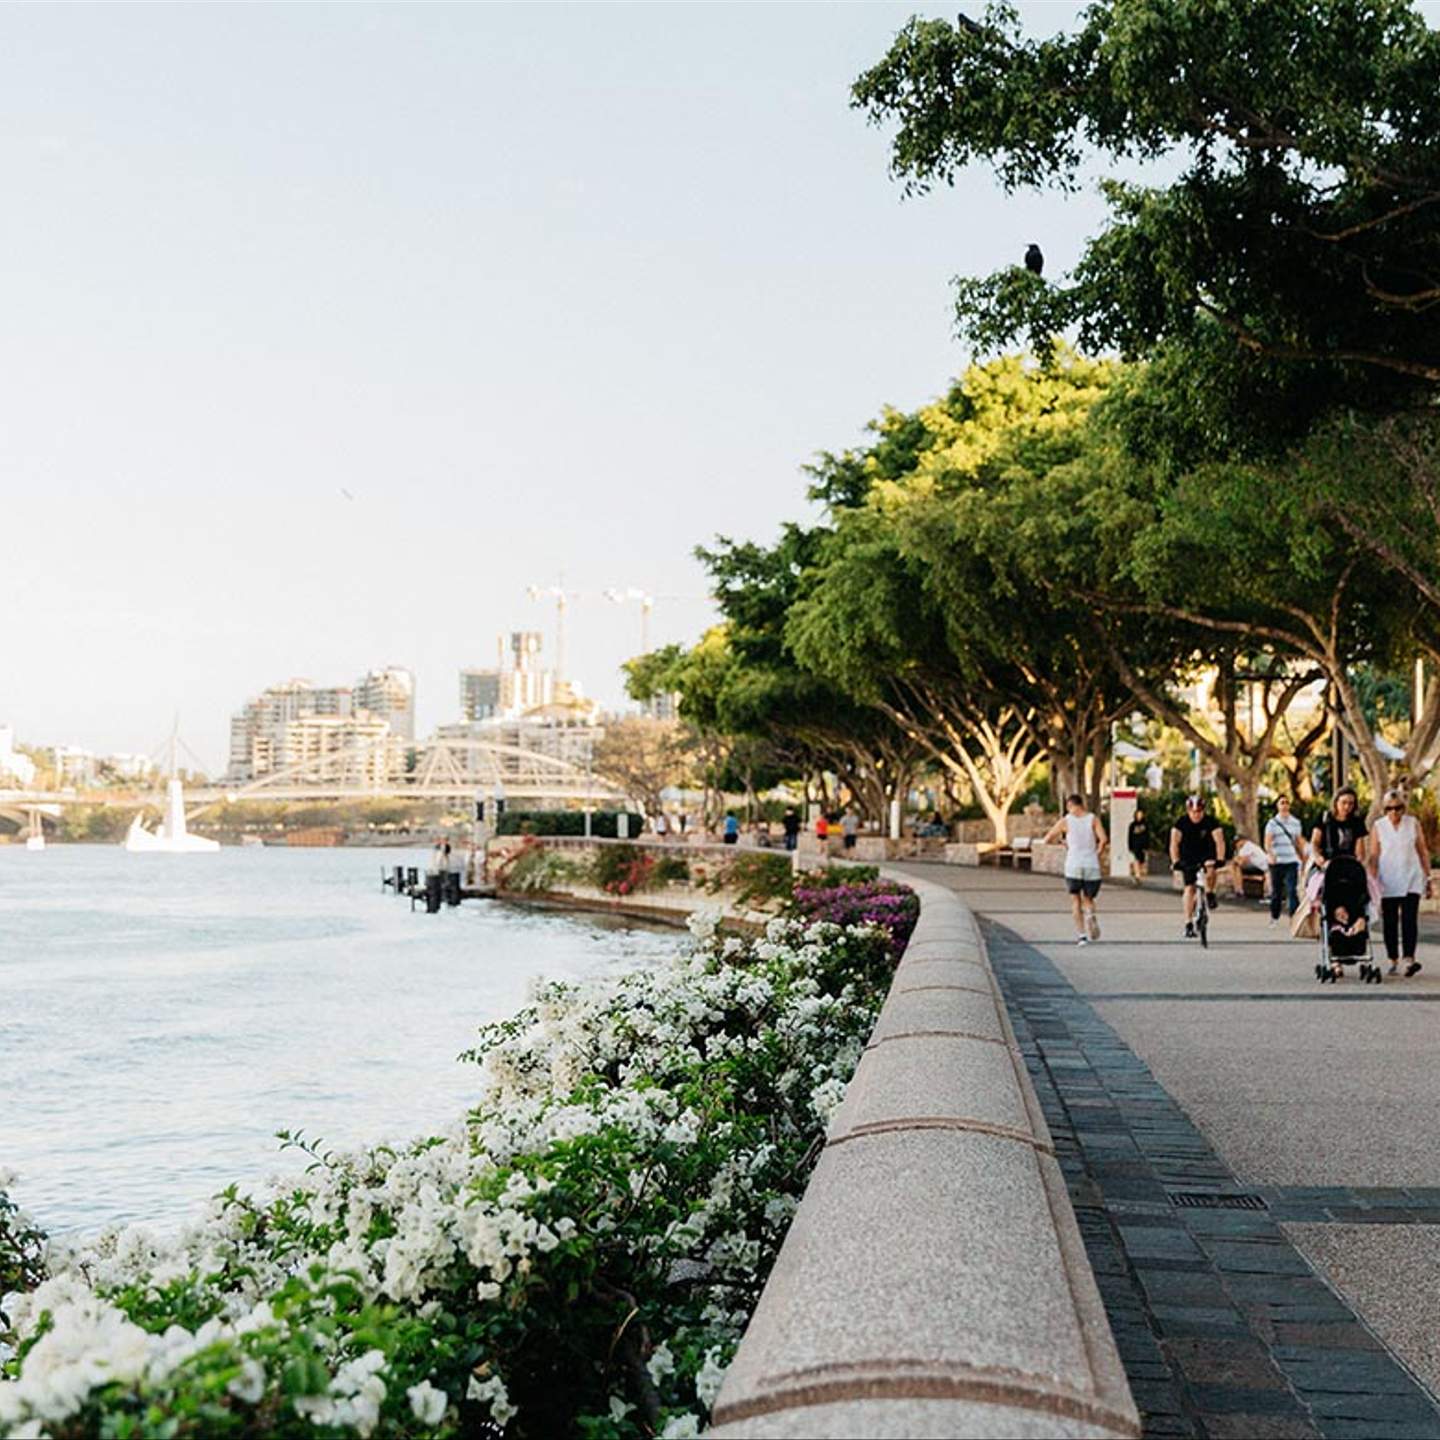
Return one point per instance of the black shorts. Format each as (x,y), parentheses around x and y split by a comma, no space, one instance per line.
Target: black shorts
(1076,886)
(849,842)
(1190,869)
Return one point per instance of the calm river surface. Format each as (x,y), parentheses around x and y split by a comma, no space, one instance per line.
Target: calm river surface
(161,1016)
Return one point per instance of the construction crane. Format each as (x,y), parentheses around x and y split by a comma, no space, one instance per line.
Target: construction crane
(647,604)
(562,597)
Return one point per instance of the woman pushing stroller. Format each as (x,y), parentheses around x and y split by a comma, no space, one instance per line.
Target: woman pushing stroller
(1341,890)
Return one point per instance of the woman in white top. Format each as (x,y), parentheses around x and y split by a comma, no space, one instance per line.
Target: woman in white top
(1085,841)
(1403,865)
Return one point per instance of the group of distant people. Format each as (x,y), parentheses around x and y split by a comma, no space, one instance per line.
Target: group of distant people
(845,824)
(1393,852)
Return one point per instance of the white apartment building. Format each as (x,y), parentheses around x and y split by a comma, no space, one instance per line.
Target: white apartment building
(301,723)
(390,694)
(357,750)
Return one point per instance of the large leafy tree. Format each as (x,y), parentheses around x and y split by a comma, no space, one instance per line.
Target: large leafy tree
(1289,261)
(932,602)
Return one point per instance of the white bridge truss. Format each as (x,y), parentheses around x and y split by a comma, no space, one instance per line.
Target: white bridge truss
(448,770)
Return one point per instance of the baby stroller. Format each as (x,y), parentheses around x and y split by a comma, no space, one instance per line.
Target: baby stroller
(1344,900)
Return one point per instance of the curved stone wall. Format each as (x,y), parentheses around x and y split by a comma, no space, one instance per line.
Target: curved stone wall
(933,1282)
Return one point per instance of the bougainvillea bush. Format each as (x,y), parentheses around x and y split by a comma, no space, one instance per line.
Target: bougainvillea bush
(576,1256)
(886,904)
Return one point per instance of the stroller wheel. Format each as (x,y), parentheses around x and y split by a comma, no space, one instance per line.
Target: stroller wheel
(1365,972)
(1320,972)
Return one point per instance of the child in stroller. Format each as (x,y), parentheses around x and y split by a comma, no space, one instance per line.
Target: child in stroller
(1344,922)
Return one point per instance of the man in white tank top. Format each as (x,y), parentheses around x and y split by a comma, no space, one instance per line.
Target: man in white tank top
(1085,843)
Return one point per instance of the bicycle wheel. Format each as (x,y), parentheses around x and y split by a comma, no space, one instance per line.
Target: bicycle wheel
(1202,922)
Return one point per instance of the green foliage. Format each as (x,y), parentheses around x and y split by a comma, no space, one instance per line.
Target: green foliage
(615,866)
(565,822)
(539,869)
(22,1252)
(756,877)
(1287,258)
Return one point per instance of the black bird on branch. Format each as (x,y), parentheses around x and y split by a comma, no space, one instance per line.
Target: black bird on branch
(1034,260)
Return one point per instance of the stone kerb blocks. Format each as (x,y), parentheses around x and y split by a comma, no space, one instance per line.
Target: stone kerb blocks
(934,1282)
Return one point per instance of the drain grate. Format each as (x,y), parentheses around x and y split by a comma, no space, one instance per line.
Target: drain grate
(1208,1200)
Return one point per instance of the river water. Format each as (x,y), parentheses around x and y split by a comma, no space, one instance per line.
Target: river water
(161,1016)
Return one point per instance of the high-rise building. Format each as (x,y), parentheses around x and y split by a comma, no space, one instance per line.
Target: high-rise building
(257,732)
(390,694)
(480,694)
(509,691)
(356,750)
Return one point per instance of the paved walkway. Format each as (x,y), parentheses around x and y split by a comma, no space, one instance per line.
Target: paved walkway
(1254,1158)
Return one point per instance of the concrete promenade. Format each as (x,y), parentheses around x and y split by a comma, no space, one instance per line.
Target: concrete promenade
(1254,1158)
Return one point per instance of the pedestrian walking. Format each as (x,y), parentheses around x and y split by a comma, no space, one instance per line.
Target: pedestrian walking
(1137,841)
(1402,862)
(849,828)
(1084,838)
(790,823)
(660,825)
(445,857)
(1342,831)
(732,828)
(822,832)
(1285,849)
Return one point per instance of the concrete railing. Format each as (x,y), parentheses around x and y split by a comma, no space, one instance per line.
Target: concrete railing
(933,1281)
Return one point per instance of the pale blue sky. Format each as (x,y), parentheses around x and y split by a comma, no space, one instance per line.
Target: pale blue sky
(547,289)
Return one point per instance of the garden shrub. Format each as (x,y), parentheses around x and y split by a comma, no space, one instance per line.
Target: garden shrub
(537,869)
(756,876)
(892,907)
(578,1255)
(621,869)
(570,823)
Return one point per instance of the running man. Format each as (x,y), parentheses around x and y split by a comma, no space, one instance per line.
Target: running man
(1196,843)
(1085,842)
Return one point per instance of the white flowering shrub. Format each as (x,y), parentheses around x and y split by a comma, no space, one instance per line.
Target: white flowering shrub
(577,1256)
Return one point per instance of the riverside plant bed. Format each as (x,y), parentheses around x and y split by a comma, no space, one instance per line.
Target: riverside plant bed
(748,885)
(578,1255)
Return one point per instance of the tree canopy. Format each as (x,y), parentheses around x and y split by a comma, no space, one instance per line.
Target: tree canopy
(1273,199)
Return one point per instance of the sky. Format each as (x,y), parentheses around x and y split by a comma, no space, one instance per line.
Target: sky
(330,329)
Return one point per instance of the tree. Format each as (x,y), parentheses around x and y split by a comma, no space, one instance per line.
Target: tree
(1291,263)
(806,718)
(643,757)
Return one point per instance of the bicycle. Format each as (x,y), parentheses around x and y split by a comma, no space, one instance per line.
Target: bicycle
(1201,918)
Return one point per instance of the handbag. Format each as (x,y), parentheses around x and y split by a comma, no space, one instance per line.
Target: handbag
(1305,922)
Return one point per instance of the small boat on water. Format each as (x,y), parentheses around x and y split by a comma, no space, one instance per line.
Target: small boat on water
(172,838)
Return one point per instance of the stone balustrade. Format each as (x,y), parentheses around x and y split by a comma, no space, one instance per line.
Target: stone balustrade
(933,1282)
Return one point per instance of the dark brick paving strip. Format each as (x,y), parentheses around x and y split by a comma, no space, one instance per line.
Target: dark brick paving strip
(1224,1328)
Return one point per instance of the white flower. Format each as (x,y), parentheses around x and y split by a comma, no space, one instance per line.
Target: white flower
(681,1427)
(492,1391)
(427,1404)
(249,1384)
(619,1408)
(709,1377)
(661,1363)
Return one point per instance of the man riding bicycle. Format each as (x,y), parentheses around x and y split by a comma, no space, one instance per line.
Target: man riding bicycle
(1196,843)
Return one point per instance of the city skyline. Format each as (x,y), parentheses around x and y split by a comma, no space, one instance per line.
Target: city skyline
(332,330)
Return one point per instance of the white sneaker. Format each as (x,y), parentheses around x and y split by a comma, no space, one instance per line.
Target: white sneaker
(1273,923)
(1094,928)
(1082,939)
